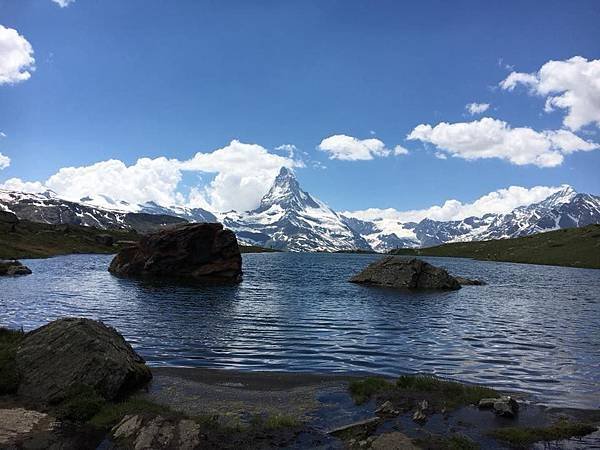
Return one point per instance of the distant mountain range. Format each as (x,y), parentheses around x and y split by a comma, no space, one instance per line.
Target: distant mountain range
(289,218)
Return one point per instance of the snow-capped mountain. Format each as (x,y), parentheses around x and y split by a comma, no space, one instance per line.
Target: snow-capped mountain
(47,207)
(289,218)
(563,209)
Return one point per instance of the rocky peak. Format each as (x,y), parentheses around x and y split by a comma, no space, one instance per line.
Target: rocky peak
(286,193)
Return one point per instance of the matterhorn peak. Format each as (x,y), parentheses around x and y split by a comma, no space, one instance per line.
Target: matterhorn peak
(287,193)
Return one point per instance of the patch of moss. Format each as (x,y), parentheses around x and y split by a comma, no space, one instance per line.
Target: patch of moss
(9,377)
(524,437)
(80,404)
(276,422)
(363,390)
(454,442)
(111,413)
(449,393)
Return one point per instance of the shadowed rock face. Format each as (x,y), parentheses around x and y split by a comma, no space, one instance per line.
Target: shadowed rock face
(11,268)
(68,353)
(396,272)
(195,252)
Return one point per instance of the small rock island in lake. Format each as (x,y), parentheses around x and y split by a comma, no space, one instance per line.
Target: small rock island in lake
(14,267)
(396,272)
(193,252)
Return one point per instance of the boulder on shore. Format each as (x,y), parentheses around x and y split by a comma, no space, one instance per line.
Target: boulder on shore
(70,353)
(396,272)
(195,251)
(14,267)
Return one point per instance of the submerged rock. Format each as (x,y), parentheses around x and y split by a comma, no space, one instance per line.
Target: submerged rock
(69,353)
(468,282)
(396,272)
(11,268)
(197,252)
(157,432)
(504,406)
(393,441)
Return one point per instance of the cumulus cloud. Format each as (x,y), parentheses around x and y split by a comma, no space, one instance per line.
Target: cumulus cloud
(63,3)
(348,148)
(16,57)
(572,85)
(492,138)
(399,150)
(477,108)
(497,202)
(4,161)
(242,172)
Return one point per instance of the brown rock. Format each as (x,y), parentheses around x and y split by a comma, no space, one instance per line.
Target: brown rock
(396,272)
(197,252)
(68,353)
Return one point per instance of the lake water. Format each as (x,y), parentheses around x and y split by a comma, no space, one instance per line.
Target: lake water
(532,328)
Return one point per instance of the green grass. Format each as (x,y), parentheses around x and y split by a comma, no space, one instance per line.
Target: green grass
(450,393)
(276,422)
(410,389)
(81,403)
(9,378)
(39,240)
(112,413)
(363,390)
(524,437)
(573,247)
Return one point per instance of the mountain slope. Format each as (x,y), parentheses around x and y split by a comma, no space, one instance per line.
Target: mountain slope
(288,218)
(574,247)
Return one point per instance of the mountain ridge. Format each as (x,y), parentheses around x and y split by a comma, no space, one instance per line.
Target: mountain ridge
(289,218)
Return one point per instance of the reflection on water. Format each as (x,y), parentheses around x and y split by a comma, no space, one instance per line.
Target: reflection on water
(533,328)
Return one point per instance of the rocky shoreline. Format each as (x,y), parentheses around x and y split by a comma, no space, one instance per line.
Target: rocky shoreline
(92,389)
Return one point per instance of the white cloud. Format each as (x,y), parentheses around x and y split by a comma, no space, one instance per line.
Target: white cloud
(16,57)
(497,202)
(348,148)
(243,174)
(477,108)
(573,85)
(63,3)
(492,138)
(4,161)
(399,150)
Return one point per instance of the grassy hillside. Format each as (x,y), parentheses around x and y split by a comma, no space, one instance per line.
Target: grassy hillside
(37,240)
(573,247)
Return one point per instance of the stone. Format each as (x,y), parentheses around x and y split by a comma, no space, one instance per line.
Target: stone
(504,406)
(18,423)
(13,268)
(397,272)
(104,239)
(69,353)
(393,441)
(364,427)
(468,282)
(387,409)
(194,252)
(143,432)
(419,416)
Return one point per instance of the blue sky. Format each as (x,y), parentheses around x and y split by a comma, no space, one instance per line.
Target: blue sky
(126,79)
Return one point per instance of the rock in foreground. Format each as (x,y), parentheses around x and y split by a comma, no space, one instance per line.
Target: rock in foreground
(396,272)
(10,268)
(69,353)
(197,252)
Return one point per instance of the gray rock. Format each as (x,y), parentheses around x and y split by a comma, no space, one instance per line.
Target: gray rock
(393,441)
(196,252)
(12,268)
(18,423)
(73,352)
(363,427)
(419,416)
(396,272)
(504,406)
(157,432)
(387,409)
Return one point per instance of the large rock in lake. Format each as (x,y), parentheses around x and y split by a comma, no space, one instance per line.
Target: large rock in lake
(195,251)
(70,353)
(13,267)
(396,272)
